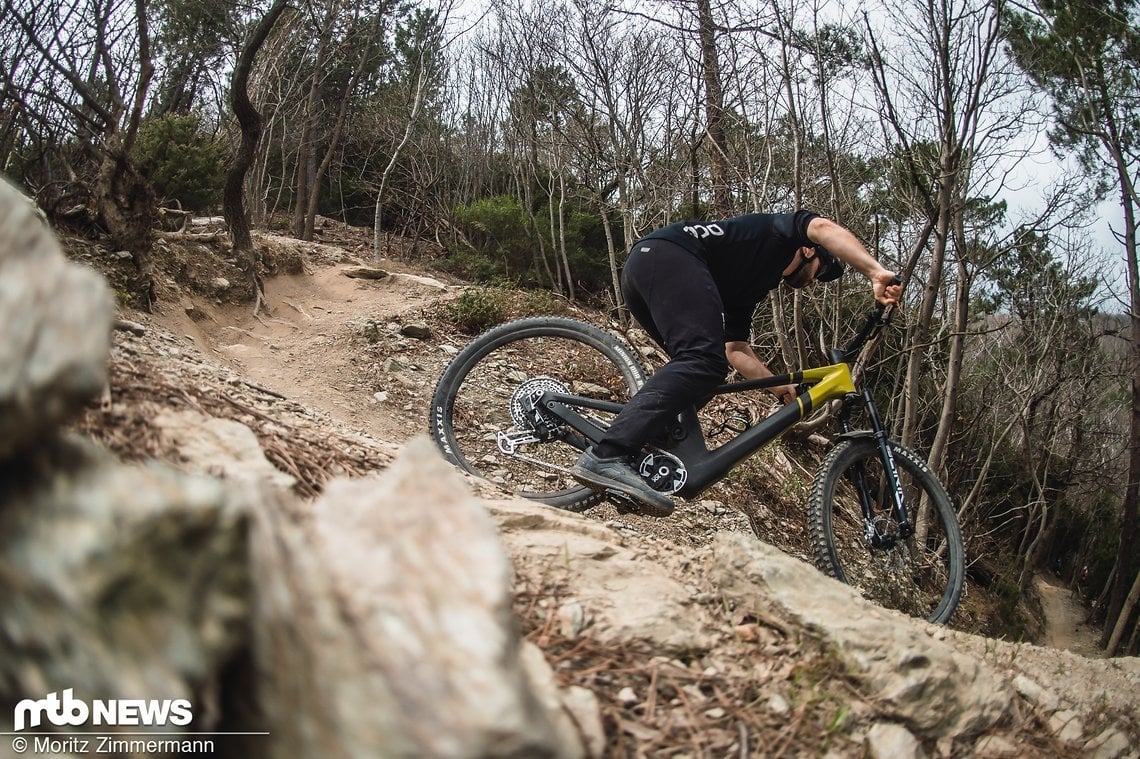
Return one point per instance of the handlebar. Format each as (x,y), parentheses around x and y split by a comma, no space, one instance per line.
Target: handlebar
(872,324)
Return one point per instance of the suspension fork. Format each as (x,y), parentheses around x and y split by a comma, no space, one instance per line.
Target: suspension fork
(890,471)
(859,480)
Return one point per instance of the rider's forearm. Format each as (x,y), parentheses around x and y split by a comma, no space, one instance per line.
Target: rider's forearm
(844,244)
(744,360)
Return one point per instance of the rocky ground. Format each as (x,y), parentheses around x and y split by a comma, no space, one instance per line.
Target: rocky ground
(335,380)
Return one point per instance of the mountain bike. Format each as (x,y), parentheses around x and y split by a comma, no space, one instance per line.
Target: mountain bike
(519,404)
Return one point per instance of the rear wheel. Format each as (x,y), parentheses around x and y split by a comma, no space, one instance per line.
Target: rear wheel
(921,574)
(483,415)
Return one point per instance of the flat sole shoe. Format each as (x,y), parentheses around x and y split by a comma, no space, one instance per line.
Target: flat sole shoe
(645,505)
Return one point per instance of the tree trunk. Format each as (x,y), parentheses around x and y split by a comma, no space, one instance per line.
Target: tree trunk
(541,261)
(306,157)
(937,458)
(126,203)
(714,111)
(413,115)
(233,198)
(557,228)
(930,298)
(1096,614)
(1128,563)
(780,325)
(1028,558)
(797,325)
(1128,553)
(335,134)
(124,197)
(611,249)
(1125,615)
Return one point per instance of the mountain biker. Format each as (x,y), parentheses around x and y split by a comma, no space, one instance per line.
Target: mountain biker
(694,286)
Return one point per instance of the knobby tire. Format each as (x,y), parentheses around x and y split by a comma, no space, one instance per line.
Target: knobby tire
(923,579)
(472,400)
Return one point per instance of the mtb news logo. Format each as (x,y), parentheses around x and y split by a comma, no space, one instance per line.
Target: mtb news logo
(68,710)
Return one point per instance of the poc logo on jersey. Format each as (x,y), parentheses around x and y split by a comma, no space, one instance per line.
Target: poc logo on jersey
(124,711)
(704,230)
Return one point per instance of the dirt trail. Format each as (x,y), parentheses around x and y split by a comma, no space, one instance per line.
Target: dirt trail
(1065,626)
(310,349)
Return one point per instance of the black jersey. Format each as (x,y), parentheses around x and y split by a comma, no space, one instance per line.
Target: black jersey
(746,255)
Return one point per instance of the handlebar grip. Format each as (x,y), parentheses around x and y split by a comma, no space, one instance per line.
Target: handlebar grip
(877,313)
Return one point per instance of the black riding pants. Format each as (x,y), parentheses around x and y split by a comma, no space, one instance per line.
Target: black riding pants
(671,293)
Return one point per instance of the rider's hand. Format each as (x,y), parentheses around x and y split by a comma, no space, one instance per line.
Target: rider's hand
(887,291)
(785,393)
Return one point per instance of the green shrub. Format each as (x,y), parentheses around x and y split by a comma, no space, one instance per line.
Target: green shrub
(499,229)
(478,309)
(1008,622)
(501,242)
(540,303)
(182,161)
(481,308)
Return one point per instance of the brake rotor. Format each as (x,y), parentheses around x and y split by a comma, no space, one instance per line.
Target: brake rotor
(525,410)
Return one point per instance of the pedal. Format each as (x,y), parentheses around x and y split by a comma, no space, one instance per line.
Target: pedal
(627,505)
(624,503)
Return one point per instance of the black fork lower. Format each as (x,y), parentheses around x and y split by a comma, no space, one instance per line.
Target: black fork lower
(892,485)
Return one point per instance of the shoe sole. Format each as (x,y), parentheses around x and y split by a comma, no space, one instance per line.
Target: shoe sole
(617,490)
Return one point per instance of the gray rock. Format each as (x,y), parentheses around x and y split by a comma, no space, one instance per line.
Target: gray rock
(1110,744)
(393,365)
(779,705)
(586,712)
(385,625)
(1034,692)
(886,740)
(220,447)
(995,747)
(119,581)
(364,272)
(1067,726)
(924,683)
(417,330)
(623,598)
(55,327)
(545,686)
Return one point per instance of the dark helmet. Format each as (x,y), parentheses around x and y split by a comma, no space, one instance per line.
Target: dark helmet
(830,267)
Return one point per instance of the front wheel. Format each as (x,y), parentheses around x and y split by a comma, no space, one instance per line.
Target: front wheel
(921,573)
(483,415)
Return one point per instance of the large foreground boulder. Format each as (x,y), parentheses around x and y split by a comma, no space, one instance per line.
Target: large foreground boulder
(384,625)
(55,323)
(120,582)
(375,622)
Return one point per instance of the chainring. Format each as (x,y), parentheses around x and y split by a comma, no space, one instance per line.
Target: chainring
(664,472)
